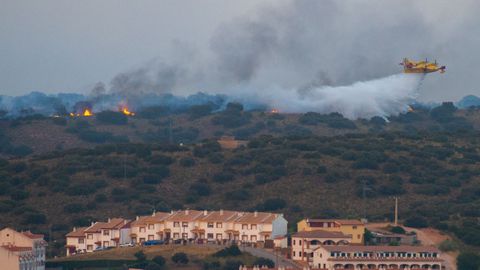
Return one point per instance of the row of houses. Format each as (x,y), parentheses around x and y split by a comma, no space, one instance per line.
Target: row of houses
(339,244)
(244,227)
(21,250)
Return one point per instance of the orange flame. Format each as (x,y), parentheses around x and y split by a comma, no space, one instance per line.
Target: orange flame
(87,112)
(125,111)
(274,111)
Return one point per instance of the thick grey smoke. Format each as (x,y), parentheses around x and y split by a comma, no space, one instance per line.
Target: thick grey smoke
(298,49)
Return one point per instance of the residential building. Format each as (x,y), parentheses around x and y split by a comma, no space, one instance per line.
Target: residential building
(353,227)
(22,250)
(76,241)
(305,242)
(146,228)
(107,234)
(376,257)
(187,224)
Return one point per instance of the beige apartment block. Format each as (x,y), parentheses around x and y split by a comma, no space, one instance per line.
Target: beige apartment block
(305,242)
(377,257)
(22,250)
(193,225)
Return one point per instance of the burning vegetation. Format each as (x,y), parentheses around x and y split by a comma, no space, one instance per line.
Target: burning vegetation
(126,111)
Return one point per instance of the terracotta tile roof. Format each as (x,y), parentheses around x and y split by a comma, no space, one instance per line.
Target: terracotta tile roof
(257,218)
(79,232)
(144,220)
(320,234)
(31,235)
(339,221)
(114,223)
(218,216)
(185,215)
(381,248)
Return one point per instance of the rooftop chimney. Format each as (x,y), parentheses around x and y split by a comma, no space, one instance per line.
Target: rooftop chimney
(255,214)
(186,212)
(137,217)
(221,212)
(74,229)
(153,214)
(171,212)
(109,220)
(205,212)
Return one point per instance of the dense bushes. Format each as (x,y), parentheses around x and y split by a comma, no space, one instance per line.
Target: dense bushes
(230,251)
(110,117)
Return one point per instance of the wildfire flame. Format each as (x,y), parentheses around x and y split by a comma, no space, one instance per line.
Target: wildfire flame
(274,111)
(125,111)
(87,112)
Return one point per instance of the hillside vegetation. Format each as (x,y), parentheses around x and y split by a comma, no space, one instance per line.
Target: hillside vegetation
(429,159)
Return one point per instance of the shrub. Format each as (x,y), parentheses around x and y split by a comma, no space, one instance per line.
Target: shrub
(232,265)
(74,208)
(19,195)
(140,256)
(273,204)
(34,218)
(153,266)
(110,117)
(416,222)
(159,260)
(232,250)
(398,230)
(264,262)
(200,189)
(468,261)
(197,111)
(180,258)
(159,171)
(448,245)
(99,198)
(161,160)
(237,195)
(223,177)
(187,162)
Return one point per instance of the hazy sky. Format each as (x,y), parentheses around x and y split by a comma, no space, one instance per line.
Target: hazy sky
(68,46)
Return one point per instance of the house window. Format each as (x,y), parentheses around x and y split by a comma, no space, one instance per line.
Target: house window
(142,229)
(184,224)
(210,235)
(150,237)
(244,237)
(244,226)
(294,254)
(358,236)
(253,238)
(300,242)
(294,242)
(150,226)
(219,225)
(210,225)
(106,232)
(142,240)
(219,236)
(253,226)
(176,235)
(89,236)
(354,227)
(185,235)
(89,247)
(176,224)
(81,240)
(105,243)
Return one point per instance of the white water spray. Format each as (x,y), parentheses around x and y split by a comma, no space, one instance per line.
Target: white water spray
(380,97)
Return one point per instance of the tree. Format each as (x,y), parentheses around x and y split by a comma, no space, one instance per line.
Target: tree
(153,266)
(416,222)
(159,260)
(468,261)
(140,256)
(398,229)
(180,258)
(264,262)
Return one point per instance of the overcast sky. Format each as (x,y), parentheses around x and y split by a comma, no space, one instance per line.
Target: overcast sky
(68,46)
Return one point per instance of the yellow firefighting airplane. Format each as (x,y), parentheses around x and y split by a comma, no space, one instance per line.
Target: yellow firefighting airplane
(421,66)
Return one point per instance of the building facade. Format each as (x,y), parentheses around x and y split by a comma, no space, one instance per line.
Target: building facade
(353,227)
(305,242)
(22,250)
(201,226)
(377,257)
